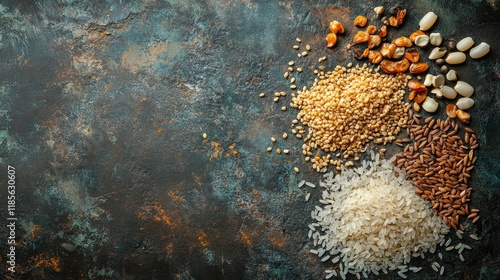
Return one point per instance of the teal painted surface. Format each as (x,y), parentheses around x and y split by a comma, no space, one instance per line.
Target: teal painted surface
(104,104)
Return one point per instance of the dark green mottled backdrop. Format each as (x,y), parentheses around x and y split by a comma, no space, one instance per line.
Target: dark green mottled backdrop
(102,109)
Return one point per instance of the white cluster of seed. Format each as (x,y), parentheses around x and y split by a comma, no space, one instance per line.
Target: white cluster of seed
(453,58)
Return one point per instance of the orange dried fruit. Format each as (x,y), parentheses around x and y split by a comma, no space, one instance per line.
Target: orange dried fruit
(401,66)
(403,42)
(412,94)
(374,56)
(361,37)
(388,66)
(374,41)
(388,50)
(400,16)
(360,21)
(336,27)
(415,85)
(365,52)
(331,40)
(383,31)
(451,110)
(412,55)
(418,67)
(393,21)
(420,96)
(372,29)
(463,116)
(415,34)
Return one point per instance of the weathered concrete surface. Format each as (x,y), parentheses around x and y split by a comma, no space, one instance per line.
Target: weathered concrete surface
(104,104)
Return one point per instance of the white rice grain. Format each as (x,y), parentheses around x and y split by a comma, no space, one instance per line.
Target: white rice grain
(308,195)
(441,271)
(301,183)
(473,236)
(402,275)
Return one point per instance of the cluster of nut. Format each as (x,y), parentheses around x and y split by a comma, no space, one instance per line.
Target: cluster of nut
(397,56)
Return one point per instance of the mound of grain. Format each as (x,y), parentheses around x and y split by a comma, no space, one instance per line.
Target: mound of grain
(372,220)
(347,108)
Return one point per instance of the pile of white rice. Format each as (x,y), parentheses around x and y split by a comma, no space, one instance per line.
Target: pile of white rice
(371,220)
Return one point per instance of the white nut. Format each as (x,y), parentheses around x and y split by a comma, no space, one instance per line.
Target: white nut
(422,40)
(448,92)
(398,52)
(430,105)
(464,89)
(479,50)
(379,10)
(427,21)
(455,58)
(451,75)
(437,92)
(428,80)
(437,52)
(465,44)
(436,39)
(438,81)
(464,103)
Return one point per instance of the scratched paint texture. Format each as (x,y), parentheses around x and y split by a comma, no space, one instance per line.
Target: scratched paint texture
(103,106)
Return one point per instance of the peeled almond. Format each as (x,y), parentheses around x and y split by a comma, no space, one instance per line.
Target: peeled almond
(479,50)
(422,40)
(464,89)
(438,81)
(465,103)
(430,105)
(451,75)
(455,58)
(448,92)
(437,53)
(465,44)
(427,21)
(435,39)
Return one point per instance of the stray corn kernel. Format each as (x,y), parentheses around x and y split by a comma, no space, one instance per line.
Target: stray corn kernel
(308,48)
(269,149)
(286,151)
(278,150)
(291,63)
(283,108)
(205,136)
(285,135)
(296,169)
(298,40)
(296,47)
(273,139)
(262,94)
(304,54)
(299,69)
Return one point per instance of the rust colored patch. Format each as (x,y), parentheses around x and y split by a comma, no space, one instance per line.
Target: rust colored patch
(36,230)
(278,242)
(246,238)
(174,195)
(202,238)
(46,261)
(217,150)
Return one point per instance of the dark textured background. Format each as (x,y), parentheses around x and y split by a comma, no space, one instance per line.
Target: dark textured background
(103,106)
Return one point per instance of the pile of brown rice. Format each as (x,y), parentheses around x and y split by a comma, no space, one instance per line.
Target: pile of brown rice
(371,220)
